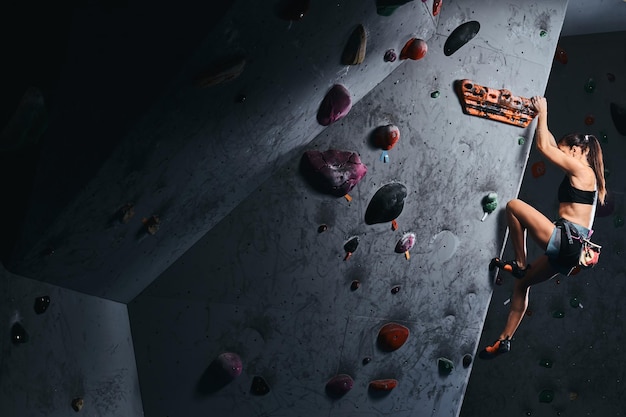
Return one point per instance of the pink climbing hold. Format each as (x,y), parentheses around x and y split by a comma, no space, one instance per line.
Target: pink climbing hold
(335,105)
(405,243)
(333,172)
(339,385)
(230,364)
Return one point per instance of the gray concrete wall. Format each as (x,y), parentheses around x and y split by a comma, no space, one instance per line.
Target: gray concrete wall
(263,283)
(586,345)
(185,154)
(81,346)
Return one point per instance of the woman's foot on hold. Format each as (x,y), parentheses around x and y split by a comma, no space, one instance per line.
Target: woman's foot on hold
(496,349)
(510,266)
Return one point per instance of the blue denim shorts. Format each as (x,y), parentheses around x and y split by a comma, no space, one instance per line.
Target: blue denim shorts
(564,255)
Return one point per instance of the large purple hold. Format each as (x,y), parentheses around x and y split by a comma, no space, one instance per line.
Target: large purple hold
(333,172)
(386,204)
(339,385)
(335,105)
(230,364)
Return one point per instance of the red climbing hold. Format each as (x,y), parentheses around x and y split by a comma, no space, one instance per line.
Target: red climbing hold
(414,49)
(392,336)
(383,384)
(385,137)
(560,55)
(436,7)
(538,169)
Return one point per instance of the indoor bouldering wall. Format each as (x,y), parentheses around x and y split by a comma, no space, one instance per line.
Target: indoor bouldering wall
(566,355)
(301,300)
(61,350)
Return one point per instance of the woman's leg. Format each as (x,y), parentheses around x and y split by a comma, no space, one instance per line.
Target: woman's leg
(540,271)
(522,217)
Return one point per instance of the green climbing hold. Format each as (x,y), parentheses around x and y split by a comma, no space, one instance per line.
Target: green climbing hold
(490,202)
(604,137)
(590,85)
(521,141)
(546,363)
(574,302)
(546,396)
(618,221)
(445,366)
(434,94)
(543,33)
(558,314)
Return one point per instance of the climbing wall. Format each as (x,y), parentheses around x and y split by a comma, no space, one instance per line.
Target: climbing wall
(296,304)
(567,352)
(63,351)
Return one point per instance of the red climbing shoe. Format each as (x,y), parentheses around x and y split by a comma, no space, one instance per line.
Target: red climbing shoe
(509,266)
(497,348)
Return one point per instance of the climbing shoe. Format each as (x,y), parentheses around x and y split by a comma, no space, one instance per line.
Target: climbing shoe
(497,348)
(509,266)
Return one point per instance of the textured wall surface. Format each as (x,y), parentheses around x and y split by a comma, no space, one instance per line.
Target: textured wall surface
(187,155)
(585,347)
(81,346)
(265,284)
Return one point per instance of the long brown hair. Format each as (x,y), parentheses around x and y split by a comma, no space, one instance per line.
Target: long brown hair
(594,157)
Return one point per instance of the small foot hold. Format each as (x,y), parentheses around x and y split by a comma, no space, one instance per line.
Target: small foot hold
(509,266)
(496,349)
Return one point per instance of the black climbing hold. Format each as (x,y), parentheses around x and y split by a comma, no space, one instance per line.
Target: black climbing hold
(467,360)
(351,245)
(355,285)
(386,204)
(41,304)
(366,360)
(18,334)
(618,114)
(460,36)
(395,289)
(259,386)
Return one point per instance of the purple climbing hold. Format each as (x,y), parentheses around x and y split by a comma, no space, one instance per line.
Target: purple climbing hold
(333,172)
(231,365)
(339,385)
(405,243)
(335,105)
(386,204)
(390,55)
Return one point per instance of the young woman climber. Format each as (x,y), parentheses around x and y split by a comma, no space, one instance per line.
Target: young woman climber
(580,157)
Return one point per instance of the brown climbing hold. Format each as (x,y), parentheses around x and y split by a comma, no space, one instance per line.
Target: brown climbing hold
(152,224)
(354,52)
(383,384)
(126,212)
(77,404)
(392,336)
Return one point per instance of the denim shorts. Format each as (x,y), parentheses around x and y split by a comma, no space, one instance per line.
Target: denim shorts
(563,255)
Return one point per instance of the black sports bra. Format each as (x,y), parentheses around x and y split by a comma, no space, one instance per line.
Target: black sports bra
(569,194)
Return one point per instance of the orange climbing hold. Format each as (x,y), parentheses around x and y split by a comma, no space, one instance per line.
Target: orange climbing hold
(499,105)
(383,384)
(538,169)
(392,336)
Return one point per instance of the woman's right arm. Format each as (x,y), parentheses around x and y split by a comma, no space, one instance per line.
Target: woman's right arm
(545,142)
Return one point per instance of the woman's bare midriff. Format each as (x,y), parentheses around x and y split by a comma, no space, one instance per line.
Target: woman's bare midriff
(577,213)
